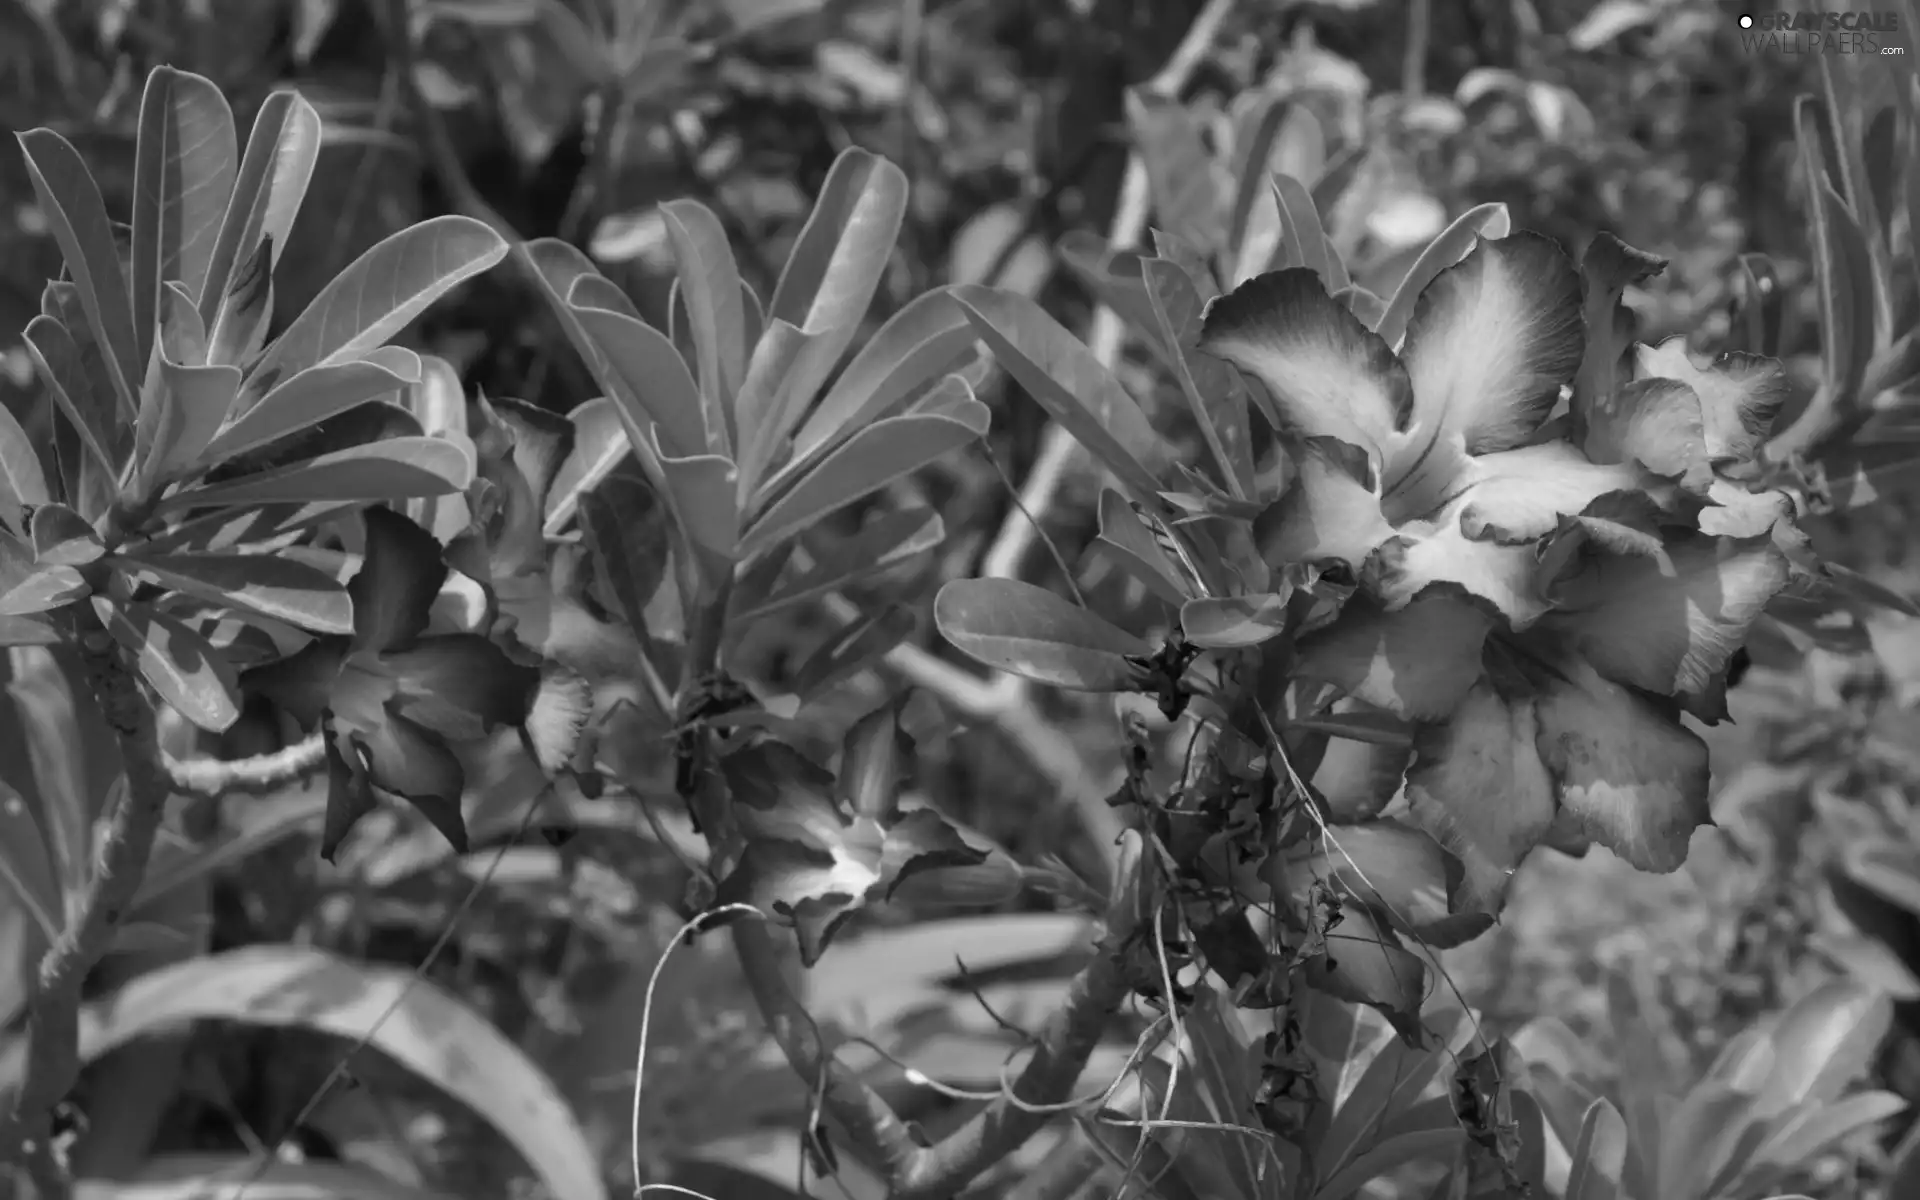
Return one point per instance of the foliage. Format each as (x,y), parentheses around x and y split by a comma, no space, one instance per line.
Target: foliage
(1410,558)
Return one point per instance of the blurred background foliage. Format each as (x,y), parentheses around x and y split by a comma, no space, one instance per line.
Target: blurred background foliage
(572,118)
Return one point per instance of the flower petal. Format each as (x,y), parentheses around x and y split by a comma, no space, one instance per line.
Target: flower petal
(349,793)
(465,673)
(921,841)
(1328,374)
(873,759)
(814,890)
(1609,267)
(1491,341)
(1624,766)
(1521,495)
(1327,512)
(415,764)
(1655,422)
(301,685)
(1740,394)
(1512,579)
(1417,662)
(394,589)
(1357,779)
(1737,511)
(1668,624)
(780,794)
(1479,788)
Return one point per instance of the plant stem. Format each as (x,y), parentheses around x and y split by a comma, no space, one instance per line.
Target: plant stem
(53,1014)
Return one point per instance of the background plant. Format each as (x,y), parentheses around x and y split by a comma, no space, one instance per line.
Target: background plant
(807,620)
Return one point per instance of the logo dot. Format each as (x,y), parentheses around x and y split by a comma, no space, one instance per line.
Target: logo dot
(1746,22)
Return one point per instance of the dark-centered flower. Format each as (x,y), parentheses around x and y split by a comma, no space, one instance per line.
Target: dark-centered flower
(390,699)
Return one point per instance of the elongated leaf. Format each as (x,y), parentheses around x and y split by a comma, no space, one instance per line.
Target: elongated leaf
(1821,1044)
(927,337)
(381,292)
(184,164)
(1189,197)
(1115,279)
(26,877)
(1059,372)
(854,649)
(882,545)
(1845,272)
(401,468)
(869,460)
(315,395)
(182,666)
(70,200)
(43,589)
(655,377)
(278,588)
(771,401)
(64,373)
(1297,210)
(27,631)
(1028,631)
(1218,405)
(239,1176)
(703,498)
(1490,221)
(710,286)
(1127,542)
(59,783)
(22,480)
(1233,622)
(630,539)
(197,401)
(409,1020)
(274,173)
(836,266)
(62,537)
(599,444)
(1600,1156)
(1389,1155)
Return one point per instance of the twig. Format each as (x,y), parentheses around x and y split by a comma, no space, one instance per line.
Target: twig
(939,1171)
(53,1013)
(256,773)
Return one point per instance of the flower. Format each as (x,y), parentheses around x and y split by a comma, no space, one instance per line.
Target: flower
(1541,596)
(389,699)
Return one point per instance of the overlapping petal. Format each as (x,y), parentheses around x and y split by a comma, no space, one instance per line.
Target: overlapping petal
(394,589)
(1740,394)
(1329,375)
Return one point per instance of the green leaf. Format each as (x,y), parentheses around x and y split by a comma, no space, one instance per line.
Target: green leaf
(1028,631)
(871,459)
(929,336)
(54,739)
(182,666)
(61,537)
(1599,1166)
(64,372)
(235,1176)
(1365,964)
(314,395)
(1188,199)
(831,275)
(381,292)
(274,173)
(1126,540)
(22,481)
(1059,372)
(70,200)
(884,544)
(710,286)
(400,468)
(655,378)
(280,589)
(196,400)
(26,631)
(1424,1145)
(854,649)
(771,401)
(409,1020)
(1218,403)
(626,529)
(239,330)
(184,161)
(1302,221)
(1233,622)
(24,869)
(593,290)
(44,588)
(1490,221)
(1821,1044)
(1115,278)
(1843,272)
(599,444)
